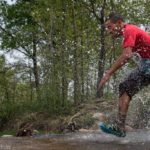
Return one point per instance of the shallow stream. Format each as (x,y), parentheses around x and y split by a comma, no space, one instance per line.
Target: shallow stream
(139,140)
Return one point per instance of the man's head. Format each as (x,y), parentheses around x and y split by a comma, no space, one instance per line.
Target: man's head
(114,24)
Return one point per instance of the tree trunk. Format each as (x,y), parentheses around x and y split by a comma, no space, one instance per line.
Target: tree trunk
(35,67)
(63,67)
(82,71)
(31,86)
(101,62)
(75,73)
(82,60)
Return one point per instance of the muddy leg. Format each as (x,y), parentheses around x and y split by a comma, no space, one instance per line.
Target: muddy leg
(124,101)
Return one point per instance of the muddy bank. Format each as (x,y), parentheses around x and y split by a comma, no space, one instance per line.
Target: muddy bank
(84,118)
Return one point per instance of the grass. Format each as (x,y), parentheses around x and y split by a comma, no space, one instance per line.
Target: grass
(8,132)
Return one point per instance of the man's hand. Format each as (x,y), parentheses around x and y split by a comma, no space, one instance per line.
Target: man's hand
(105,78)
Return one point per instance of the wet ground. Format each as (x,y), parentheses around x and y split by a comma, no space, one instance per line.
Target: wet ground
(139,140)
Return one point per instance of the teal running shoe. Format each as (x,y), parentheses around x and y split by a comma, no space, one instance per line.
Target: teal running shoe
(112,129)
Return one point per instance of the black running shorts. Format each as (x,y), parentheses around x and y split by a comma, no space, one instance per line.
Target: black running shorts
(134,82)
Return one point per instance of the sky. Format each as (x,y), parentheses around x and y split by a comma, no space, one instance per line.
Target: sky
(11,1)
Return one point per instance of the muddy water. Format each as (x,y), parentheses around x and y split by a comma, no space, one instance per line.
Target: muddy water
(139,140)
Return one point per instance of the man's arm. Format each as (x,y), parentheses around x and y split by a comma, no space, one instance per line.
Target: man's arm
(122,59)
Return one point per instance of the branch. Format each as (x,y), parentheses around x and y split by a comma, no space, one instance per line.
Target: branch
(94,11)
(91,8)
(9,34)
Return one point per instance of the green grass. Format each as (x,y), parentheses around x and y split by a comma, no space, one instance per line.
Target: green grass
(8,132)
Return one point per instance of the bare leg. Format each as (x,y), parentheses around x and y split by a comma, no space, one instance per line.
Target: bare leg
(124,101)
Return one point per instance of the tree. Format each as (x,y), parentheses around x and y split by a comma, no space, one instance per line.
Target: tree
(19,30)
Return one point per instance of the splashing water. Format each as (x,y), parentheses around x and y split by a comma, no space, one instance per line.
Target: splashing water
(140,139)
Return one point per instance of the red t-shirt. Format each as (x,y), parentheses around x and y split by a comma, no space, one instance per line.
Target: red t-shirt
(138,39)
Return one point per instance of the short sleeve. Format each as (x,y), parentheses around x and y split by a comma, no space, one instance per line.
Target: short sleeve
(129,38)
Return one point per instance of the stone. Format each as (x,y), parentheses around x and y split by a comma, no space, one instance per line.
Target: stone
(128,128)
(4,136)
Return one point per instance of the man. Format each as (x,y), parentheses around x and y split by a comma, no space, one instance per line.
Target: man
(135,40)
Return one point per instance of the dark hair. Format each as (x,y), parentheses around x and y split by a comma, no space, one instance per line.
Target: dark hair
(114,17)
